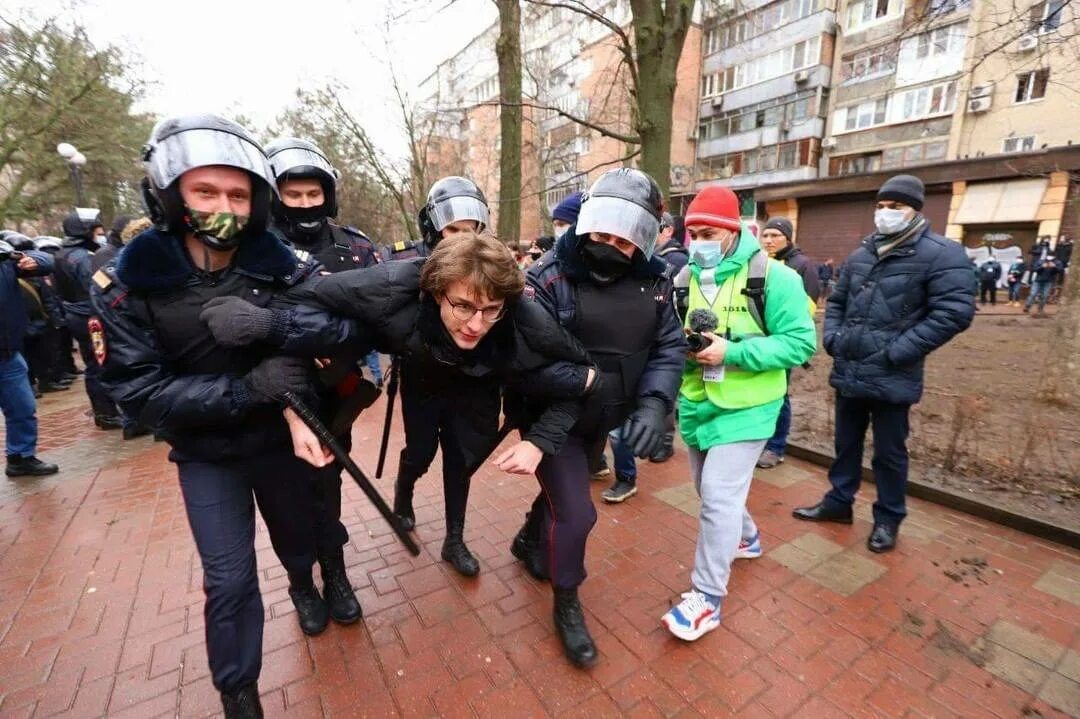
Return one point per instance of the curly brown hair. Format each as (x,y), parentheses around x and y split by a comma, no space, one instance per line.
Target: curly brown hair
(476,258)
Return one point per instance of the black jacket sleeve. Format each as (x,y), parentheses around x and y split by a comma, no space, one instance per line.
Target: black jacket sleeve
(663,373)
(139,378)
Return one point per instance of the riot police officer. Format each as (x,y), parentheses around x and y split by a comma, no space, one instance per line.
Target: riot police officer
(307,200)
(209,186)
(453,204)
(83,235)
(603,283)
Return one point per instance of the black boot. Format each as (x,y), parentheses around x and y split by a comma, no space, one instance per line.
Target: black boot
(527,549)
(311,610)
(108,421)
(570,626)
(403,494)
(18,466)
(455,551)
(243,703)
(340,598)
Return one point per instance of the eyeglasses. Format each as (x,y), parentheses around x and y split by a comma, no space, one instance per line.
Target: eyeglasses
(466,312)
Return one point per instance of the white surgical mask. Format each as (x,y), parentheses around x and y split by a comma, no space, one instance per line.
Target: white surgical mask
(890,220)
(706,253)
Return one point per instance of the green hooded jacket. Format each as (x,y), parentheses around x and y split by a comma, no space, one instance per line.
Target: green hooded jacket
(791,341)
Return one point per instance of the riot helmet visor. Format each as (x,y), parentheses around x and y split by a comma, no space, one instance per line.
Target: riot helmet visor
(174,154)
(454,209)
(622,218)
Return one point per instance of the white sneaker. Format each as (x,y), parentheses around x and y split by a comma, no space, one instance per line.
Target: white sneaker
(693,617)
(749,548)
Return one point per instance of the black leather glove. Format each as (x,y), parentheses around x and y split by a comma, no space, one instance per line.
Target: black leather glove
(644,431)
(235,322)
(275,376)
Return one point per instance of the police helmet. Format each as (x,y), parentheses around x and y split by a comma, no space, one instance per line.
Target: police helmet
(180,144)
(5,251)
(626,203)
(48,243)
(452,199)
(293,158)
(17,240)
(79,225)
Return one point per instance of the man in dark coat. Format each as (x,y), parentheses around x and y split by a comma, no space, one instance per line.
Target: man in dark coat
(776,241)
(904,292)
(989,274)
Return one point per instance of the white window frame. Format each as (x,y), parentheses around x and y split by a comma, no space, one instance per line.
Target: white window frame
(1017,142)
(883,53)
(1031,75)
(894,9)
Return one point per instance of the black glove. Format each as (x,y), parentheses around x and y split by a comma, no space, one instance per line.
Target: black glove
(275,376)
(644,431)
(235,322)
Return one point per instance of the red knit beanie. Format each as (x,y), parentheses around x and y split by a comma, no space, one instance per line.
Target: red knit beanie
(716,206)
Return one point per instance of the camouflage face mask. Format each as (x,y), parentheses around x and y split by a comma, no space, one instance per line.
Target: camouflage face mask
(223,226)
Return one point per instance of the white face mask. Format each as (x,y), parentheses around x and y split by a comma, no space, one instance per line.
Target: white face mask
(889,220)
(706,253)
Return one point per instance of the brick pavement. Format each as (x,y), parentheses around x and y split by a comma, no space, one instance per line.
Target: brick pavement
(100,607)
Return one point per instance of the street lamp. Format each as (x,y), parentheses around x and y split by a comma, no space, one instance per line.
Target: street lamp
(75,161)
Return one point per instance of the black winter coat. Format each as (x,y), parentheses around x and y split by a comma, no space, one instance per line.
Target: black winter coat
(194,395)
(885,315)
(526,352)
(794,258)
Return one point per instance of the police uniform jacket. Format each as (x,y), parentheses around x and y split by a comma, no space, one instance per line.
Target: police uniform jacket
(161,363)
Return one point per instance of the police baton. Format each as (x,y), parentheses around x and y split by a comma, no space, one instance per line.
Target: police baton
(331,443)
(391,395)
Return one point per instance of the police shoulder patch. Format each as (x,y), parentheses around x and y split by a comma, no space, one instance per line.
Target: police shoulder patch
(102,280)
(529,292)
(97,339)
(400,246)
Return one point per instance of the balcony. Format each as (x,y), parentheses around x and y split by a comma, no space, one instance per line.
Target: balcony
(760,137)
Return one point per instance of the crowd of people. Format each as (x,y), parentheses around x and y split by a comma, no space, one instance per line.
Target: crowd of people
(240,293)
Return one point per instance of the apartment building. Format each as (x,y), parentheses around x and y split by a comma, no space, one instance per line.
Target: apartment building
(766,78)
(570,63)
(960,95)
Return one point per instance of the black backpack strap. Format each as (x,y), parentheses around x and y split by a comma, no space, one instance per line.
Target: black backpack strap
(755,288)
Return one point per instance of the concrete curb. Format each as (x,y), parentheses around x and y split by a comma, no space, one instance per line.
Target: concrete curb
(984,510)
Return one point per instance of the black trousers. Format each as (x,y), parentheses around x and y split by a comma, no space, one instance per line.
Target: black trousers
(42,356)
(890,462)
(427,427)
(988,286)
(330,533)
(220,499)
(563,514)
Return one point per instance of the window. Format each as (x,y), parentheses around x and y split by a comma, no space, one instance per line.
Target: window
(712,84)
(868,64)
(762,20)
(1019,144)
(1032,85)
(941,41)
(864,115)
(1046,16)
(944,7)
(853,164)
(766,67)
(923,102)
(864,12)
(913,154)
(789,156)
(713,40)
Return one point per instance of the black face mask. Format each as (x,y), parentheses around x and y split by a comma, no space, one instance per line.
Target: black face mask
(606,264)
(306,220)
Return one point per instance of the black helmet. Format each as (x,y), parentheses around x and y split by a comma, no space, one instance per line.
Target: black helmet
(118,226)
(626,203)
(179,144)
(48,243)
(17,240)
(452,199)
(79,225)
(292,159)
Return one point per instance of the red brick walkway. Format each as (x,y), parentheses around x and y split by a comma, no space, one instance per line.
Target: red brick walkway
(101,608)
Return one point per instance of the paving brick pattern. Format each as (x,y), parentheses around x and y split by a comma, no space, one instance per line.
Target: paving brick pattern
(101,606)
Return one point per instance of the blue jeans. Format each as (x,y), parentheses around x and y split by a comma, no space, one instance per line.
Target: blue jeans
(890,462)
(374,367)
(778,442)
(625,465)
(1014,292)
(1039,289)
(17,404)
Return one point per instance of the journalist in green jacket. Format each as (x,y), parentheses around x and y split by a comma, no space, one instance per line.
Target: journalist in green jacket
(749,323)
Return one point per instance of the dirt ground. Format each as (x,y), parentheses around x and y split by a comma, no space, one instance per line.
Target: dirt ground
(978,429)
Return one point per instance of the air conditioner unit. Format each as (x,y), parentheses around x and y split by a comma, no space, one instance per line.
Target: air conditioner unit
(1027,43)
(718,102)
(802,76)
(828,142)
(727,171)
(984,90)
(978,104)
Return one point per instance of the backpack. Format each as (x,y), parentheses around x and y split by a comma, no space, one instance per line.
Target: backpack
(757,270)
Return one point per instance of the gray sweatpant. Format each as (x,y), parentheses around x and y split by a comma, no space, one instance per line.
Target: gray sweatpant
(722,479)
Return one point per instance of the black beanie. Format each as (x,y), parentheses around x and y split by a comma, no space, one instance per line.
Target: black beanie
(780,223)
(904,188)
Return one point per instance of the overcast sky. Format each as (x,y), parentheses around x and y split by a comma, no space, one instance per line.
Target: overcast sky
(248,58)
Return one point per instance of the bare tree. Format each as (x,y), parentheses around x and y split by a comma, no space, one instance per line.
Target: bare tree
(508,52)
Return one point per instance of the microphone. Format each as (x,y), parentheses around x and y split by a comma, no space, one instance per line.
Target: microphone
(701,320)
